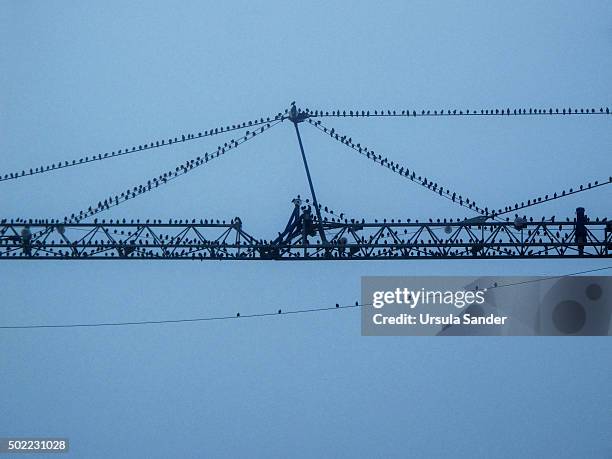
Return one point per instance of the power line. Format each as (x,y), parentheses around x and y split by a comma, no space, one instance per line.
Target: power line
(280,312)
(138,148)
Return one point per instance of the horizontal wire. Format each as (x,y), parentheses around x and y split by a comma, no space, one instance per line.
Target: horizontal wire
(136,149)
(402,171)
(459,112)
(280,312)
(196,319)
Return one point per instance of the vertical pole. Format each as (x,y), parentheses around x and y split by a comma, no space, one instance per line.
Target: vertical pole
(312,191)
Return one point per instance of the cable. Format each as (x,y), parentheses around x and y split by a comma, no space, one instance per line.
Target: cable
(197,319)
(316,113)
(402,171)
(577,273)
(447,193)
(546,198)
(165,177)
(455,112)
(280,312)
(136,149)
(180,170)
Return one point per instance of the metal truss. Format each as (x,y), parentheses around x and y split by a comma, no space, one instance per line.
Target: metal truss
(301,240)
(307,236)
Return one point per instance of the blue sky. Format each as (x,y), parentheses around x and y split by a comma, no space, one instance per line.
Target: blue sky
(83,78)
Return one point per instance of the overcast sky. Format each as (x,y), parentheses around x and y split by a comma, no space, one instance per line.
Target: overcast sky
(82,78)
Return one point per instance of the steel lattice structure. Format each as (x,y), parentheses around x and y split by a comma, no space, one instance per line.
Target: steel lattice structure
(300,240)
(307,235)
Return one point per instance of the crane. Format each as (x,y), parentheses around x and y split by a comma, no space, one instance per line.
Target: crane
(308,235)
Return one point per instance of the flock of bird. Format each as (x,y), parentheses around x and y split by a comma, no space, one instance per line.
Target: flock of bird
(165,177)
(445,192)
(456,112)
(401,170)
(144,243)
(340,217)
(139,148)
(262,124)
(311,114)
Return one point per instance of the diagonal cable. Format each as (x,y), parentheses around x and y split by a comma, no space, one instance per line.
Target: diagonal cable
(137,148)
(401,170)
(552,197)
(165,177)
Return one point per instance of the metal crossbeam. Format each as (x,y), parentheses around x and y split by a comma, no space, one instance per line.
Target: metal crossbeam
(344,240)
